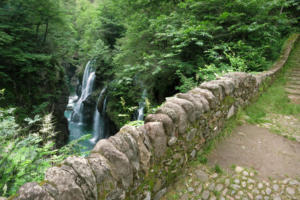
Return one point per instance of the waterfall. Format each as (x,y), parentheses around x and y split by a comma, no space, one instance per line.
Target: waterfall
(87,89)
(142,105)
(99,119)
(80,108)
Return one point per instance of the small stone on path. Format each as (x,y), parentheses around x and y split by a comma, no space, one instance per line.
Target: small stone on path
(205,194)
(275,187)
(239,169)
(290,190)
(219,187)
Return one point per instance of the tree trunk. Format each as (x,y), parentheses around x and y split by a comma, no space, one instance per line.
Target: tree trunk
(37,32)
(281,9)
(46,32)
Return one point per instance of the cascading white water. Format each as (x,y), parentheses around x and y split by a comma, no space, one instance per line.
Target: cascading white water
(99,122)
(87,89)
(142,105)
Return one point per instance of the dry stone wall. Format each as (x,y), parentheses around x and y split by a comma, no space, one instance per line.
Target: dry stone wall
(139,162)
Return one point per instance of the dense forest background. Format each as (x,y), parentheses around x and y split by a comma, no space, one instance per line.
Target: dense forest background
(162,46)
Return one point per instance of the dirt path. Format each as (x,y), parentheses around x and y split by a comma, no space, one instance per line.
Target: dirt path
(260,161)
(255,147)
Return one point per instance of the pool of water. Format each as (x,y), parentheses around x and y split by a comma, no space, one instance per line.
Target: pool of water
(78,130)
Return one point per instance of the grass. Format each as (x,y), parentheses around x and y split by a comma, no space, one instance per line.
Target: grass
(218,169)
(275,99)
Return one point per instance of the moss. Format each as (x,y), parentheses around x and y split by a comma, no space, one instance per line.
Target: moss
(13,197)
(228,100)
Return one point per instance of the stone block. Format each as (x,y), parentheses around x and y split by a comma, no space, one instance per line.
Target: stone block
(177,114)
(64,184)
(32,191)
(157,137)
(163,118)
(83,169)
(186,105)
(125,143)
(121,168)
(205,94)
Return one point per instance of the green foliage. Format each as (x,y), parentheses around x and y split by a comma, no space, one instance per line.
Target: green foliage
(30,51)
(186,83)
(218,169)
(172,46)
(135,123)
(26,153)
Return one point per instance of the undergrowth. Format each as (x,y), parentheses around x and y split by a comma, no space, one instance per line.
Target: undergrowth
(275,99)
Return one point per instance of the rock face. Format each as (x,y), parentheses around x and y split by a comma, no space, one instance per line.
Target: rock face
(61,125)
(139,162)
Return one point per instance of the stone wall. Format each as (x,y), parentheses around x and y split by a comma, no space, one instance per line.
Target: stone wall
(139,162)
